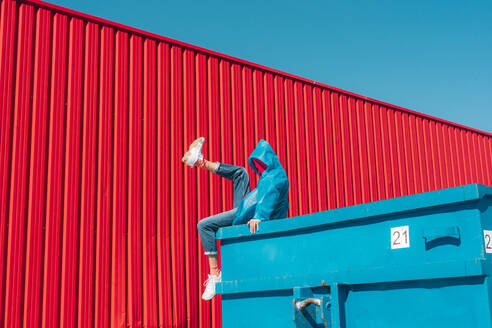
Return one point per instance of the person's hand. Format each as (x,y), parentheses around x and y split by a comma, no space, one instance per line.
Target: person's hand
(254,225)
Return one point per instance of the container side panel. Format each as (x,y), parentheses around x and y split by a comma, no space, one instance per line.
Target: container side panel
(420,306)
(71,192)
(118,315)
(19,165)
(37,173)
(54,195)
(134,243)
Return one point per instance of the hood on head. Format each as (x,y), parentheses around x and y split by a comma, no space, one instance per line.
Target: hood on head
(264,153)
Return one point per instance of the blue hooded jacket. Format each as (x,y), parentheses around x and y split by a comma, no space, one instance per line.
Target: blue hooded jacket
(269,200)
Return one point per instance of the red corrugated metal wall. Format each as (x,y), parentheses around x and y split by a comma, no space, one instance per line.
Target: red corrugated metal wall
(97,212)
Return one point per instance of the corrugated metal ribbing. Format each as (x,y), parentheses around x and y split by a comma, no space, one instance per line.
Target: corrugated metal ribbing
(98,214)
(8,23)
(19,163)
(118,314)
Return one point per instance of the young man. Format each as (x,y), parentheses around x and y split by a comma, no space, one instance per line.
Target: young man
(268,201)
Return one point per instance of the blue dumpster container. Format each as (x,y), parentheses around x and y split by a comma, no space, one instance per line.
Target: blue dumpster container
(416,261)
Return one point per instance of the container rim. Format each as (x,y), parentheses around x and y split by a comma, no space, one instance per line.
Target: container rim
(432,199)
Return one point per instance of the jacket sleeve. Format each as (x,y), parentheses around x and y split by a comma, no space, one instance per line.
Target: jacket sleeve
(267,200)
(246,208)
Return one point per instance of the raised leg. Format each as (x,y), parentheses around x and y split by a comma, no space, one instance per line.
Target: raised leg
(240,178)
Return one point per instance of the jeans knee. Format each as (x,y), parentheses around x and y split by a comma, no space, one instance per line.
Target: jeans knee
(203,225)
(200,225)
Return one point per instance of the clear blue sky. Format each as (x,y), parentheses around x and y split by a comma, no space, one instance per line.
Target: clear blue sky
(430,56)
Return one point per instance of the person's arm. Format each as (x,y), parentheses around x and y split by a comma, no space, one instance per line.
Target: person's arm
(267,200)
(254,225)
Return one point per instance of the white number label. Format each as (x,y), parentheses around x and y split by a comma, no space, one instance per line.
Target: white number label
(400,237)
(487,236)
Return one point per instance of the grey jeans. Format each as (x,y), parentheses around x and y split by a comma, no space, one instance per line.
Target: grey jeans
(209,226)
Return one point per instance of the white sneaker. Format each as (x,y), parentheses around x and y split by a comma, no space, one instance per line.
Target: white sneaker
(209,292)
(194,153)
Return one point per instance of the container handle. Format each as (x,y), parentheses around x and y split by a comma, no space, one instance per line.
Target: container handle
(306,307)
(432,234)
(302,304)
